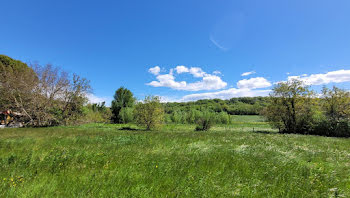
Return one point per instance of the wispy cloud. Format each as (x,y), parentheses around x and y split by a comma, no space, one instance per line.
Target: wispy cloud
(248,73)
(217,44)
(226,94)
(216,72)
(154,70)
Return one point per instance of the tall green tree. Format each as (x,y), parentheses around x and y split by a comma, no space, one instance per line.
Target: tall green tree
(335,106)
(291,107)
(123,98)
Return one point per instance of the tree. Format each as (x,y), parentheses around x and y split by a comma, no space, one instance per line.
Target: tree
(290,107)
(335,106)
(17,82)
(43,94)
(149,113)
(123,98)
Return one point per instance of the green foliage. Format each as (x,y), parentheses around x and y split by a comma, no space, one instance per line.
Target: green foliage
(190,112)
(335,120)
(149,113)
(126,115)
(43,95)
(234,106)
(8,64)
(123,98)
(16,79)
(206,121)
(96,113)
(291,107)
(336,104)
(223,118)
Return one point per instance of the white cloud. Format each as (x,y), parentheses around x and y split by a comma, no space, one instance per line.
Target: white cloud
(165,99)
(248,73)
(197,72)
(253,83)
(96,99)
(181,69)
(245,87)
(226,94)
(208,82)
(167,80)
(216,72)
(338,76)
(154,70)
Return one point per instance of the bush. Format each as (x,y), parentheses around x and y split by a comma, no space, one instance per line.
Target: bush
(126,115)
(149,113)
(205,122)
(96,113)
(335,109)
(223,118)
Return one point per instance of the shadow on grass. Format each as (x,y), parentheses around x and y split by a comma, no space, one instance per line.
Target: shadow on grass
(266,132)
(130,129)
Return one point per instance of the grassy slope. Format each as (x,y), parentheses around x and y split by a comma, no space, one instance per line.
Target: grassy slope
(99,160)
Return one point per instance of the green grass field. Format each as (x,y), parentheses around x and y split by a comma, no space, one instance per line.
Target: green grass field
(99,160)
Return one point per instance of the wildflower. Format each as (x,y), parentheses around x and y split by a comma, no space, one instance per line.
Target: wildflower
(156,166)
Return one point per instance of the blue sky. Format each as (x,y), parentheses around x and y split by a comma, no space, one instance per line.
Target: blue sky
(116,43)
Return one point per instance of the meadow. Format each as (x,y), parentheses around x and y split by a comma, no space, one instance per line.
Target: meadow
(244,159)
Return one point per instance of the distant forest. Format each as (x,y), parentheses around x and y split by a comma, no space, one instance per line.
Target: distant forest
(233,106)
(220,110)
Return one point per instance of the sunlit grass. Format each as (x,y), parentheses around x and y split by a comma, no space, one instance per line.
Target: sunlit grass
(99,160)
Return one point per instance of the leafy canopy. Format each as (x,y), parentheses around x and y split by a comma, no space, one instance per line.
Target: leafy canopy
(149,113)
(123,98)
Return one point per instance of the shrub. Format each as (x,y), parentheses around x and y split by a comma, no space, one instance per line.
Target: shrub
(96,113)
(126,115)
(205,122)
(149,113)
(223,118)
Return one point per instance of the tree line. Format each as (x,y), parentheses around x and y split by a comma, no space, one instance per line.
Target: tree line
(48,96)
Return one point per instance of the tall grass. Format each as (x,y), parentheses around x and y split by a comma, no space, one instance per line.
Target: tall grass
(99,160)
